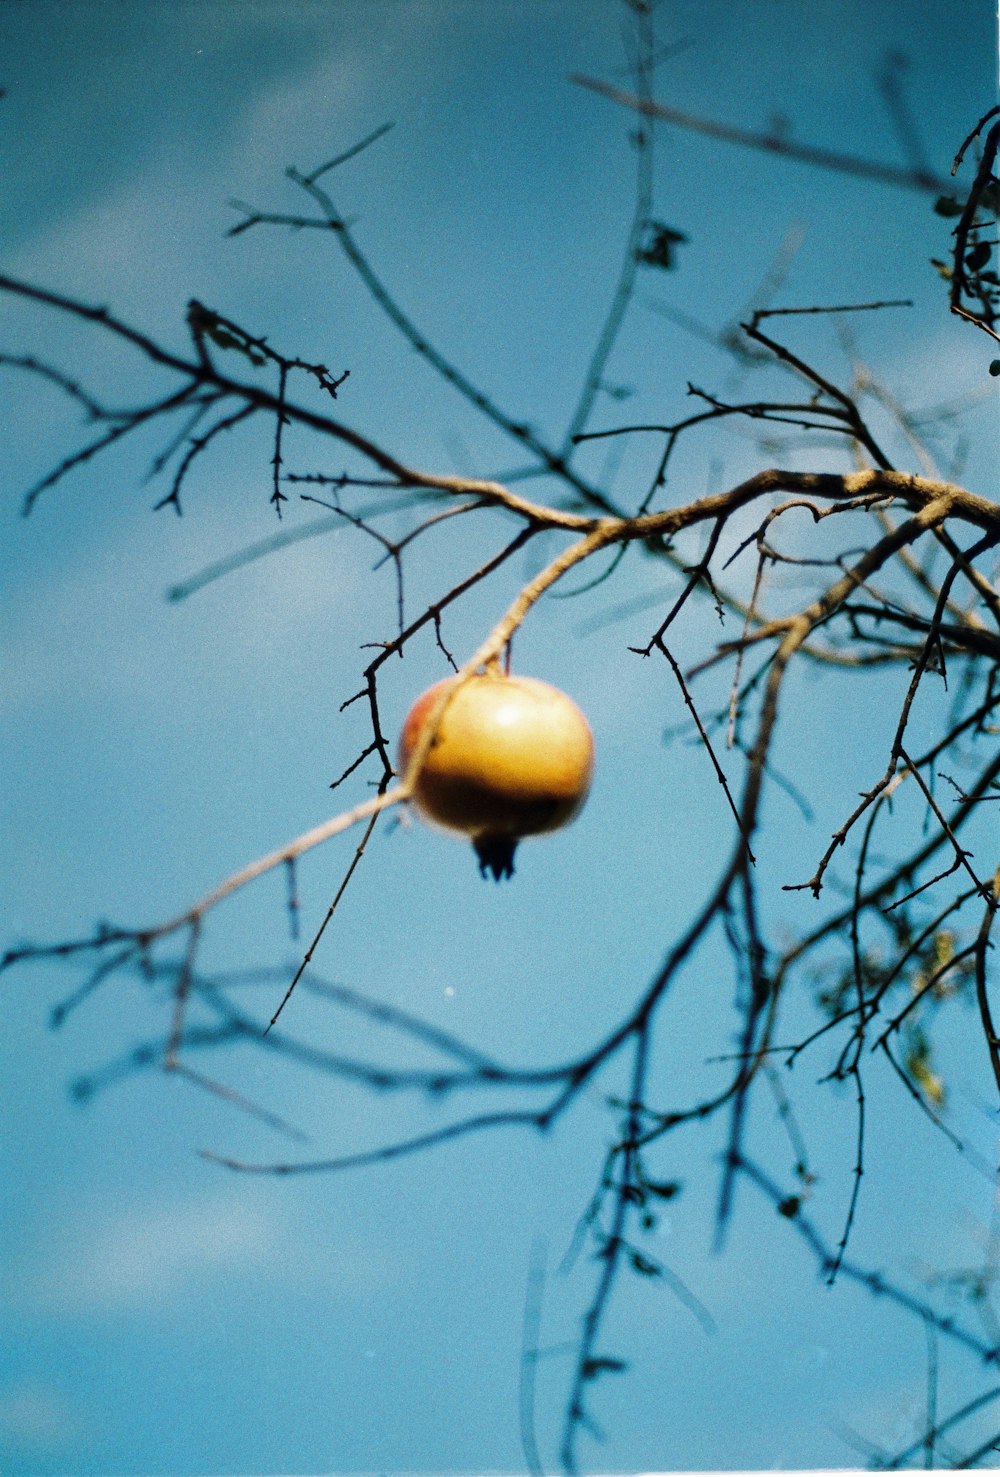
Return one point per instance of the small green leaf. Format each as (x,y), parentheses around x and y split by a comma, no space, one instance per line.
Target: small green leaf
(995,368)
(929,1082)
(947,205)
(919,1065)
(643,1265)
(790,1206)
(944,947)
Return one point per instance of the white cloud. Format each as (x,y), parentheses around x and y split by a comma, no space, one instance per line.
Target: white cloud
(150,238)
(39,1418)
(284,117)
(115,596)
(147,1257)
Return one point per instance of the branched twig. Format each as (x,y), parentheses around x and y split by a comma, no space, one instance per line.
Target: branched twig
(853,617)
(770,143)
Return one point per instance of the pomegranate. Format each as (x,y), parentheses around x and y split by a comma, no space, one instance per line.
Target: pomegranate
(511,757)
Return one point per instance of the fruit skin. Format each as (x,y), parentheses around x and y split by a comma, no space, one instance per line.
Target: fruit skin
(512,757)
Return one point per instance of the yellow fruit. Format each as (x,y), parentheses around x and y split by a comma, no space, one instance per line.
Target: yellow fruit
(511,757)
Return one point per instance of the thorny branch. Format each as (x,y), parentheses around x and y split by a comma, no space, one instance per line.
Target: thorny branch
(975,286)
(913,933)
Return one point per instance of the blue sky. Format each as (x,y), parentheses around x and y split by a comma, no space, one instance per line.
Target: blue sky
(163,1316)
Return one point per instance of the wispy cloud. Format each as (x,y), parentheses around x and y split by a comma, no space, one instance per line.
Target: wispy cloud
(144,1259)
(38,1418)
